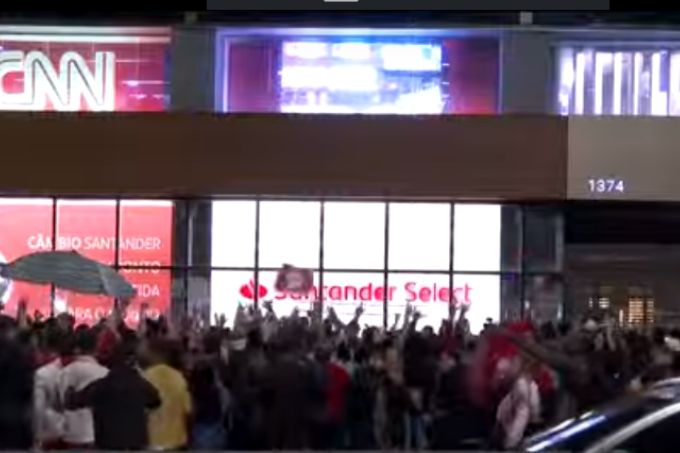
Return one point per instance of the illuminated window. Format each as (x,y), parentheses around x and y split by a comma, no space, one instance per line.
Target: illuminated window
(477,237)
(482,293)
(354,235)
(233,233)
(290,233)
(228,291)
(145,233)
(649,311)
(636,311)
(345,291)
(428,293)
(87,227)
(25,227)
(420,236)
(284,302)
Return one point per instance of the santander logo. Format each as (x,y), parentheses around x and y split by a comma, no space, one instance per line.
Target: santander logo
(248,291)
(409,292)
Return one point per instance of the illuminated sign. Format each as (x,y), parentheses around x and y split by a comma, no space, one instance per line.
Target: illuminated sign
(92,69)
(63,86)
(604,80)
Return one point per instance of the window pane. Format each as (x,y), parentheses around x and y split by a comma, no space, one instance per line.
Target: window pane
(25,227)
(289,233)
(228,291)
(233,233)
(354,235)
(477,237)
(482,294)
(543,295)
(511,305)
(146,233)
(511,238)
(283,302)
(88,227)
(427,293)
(154,287)
(346,291)
(199,233)
(419,236)
(543,239)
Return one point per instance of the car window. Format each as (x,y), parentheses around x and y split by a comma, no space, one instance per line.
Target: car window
(582,432)
(661,437)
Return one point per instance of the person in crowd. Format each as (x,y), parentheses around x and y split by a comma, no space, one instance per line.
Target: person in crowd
(120,402)
(520,407)
(48,403)
(83,370)
(169,423)
(287,389)
(16,388)
(211,399)
(306,381)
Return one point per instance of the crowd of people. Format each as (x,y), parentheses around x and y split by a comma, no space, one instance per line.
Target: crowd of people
(308,381)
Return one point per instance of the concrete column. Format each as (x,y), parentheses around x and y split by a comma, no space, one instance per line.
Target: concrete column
(192,78)
(527,63)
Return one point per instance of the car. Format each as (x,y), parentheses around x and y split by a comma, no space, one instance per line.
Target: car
(644,422)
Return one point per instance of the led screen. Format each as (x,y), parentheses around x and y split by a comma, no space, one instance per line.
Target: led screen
(83,72)
(607,79)
(361,77)
(356,71)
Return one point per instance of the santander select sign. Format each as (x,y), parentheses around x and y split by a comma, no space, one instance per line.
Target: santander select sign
(66,85)
(409,292)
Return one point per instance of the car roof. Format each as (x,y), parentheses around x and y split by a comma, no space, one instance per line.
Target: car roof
(618,412)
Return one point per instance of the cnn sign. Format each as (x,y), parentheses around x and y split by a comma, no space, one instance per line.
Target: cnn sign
(84,72)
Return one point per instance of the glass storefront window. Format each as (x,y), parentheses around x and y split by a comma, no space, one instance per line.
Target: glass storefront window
(482,293)
(354,235)
(543,239)
(145,233)
(229,259)
(345,291)
(233,243)
(228,291)
(87,227)
(543,297)
(511,238)
(429,294)
(25,227)
(419,236)
(477,237)
(289,233)
(285,302)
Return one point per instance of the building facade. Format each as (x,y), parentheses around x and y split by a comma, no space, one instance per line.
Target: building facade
(400,166)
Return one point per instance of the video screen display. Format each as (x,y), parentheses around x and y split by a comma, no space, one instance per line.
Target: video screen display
(361,77)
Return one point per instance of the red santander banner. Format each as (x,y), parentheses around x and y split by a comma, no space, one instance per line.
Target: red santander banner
(89,227)
(87,70)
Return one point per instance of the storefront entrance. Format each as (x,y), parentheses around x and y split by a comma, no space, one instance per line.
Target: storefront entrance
(624,259)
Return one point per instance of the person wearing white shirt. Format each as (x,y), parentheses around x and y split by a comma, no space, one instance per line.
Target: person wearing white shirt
(521,405)
(84,370)
(48,416)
